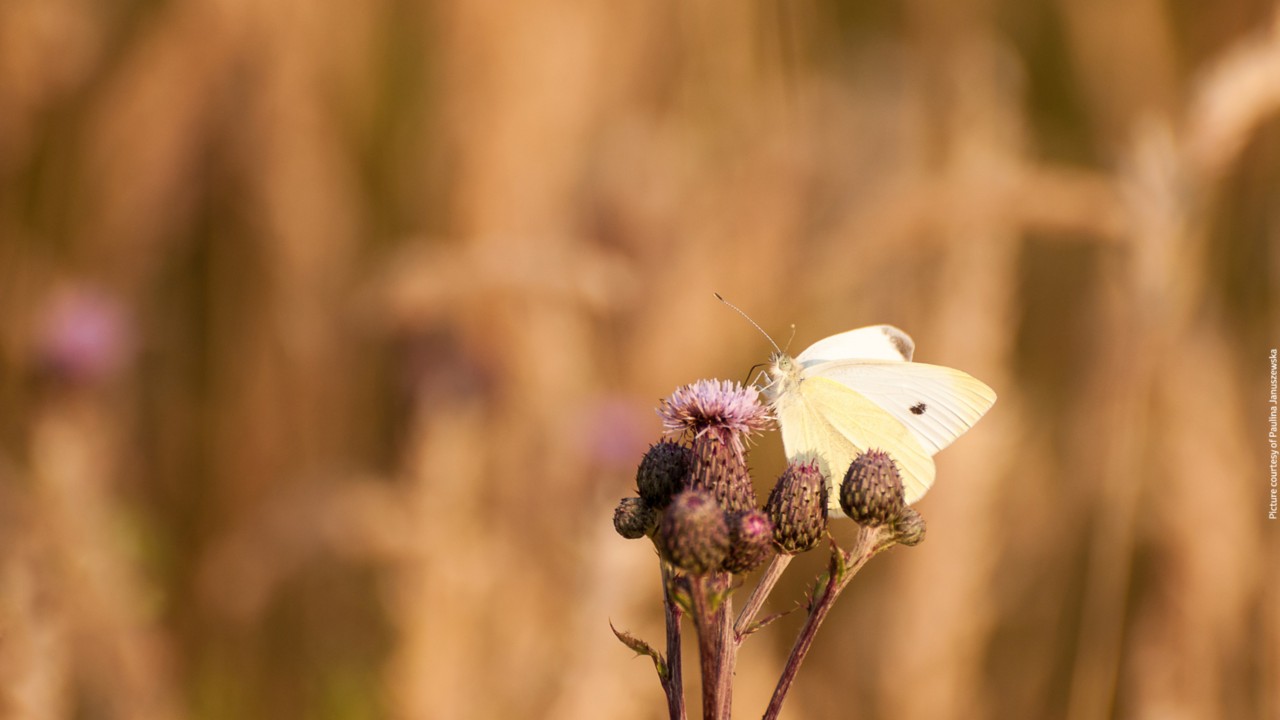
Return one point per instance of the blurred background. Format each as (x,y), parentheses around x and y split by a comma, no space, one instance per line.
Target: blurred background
(330,334)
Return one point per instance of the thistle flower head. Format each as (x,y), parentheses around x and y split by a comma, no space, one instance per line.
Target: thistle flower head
(871,493)
(797,506)
(693,534)
(663,472)
(634,518)
(750,541)
(718,407)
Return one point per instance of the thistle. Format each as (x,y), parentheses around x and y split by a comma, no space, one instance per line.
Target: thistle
(797,506)
(634,518)
(720,408)
(750,541)
(693,534)
(721,417)
(697,502)
(871,494)
(908,528)
(663,472)
(719,470)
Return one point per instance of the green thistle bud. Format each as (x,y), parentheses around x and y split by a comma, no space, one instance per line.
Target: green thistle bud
(872,490)
(634,518)
(908,528)
(721,470)
(750,541)
(663,472)
(797,507)
(693,534)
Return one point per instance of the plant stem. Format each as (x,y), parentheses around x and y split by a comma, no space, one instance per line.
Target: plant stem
(715,648)
(726,647)
(706,645)
(868,544)
(759,595)
(673,685)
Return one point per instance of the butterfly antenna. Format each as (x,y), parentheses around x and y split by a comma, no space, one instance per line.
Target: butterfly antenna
(754,323)
(793,337)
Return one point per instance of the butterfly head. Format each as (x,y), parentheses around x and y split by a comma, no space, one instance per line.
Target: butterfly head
(784,375)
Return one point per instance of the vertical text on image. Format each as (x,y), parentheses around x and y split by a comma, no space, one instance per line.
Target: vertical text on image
(1272,439)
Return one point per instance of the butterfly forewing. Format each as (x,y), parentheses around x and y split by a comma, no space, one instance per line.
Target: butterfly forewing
(874,342)
(937,404)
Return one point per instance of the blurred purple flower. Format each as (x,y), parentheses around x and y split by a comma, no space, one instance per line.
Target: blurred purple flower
(83,335)
(616,431)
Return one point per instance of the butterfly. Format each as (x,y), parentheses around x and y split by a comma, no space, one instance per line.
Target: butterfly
(859,390)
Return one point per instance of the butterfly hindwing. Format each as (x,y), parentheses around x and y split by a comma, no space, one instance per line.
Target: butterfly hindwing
(828,418)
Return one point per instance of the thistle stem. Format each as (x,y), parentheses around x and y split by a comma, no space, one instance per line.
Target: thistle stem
(706,646)
(759,595)
(715,648)
(868,544)
(673,684)
(726,647)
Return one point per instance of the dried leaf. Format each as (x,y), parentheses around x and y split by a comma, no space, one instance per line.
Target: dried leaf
(640,647)
(762,622)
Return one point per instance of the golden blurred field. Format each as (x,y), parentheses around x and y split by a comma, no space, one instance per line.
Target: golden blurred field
(330,334)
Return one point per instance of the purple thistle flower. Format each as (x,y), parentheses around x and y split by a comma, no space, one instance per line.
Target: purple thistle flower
(722,407)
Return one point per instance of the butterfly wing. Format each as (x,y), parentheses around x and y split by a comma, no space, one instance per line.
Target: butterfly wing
(936,404)
(874,342)
(831,420)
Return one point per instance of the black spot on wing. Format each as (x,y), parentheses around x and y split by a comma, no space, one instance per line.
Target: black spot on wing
(919,408)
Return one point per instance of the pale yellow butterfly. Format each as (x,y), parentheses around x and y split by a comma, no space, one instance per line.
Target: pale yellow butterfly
(859,390)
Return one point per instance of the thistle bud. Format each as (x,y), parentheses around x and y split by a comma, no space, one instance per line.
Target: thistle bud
(693,534)
(634,518)
(908,528)
(663,472)
(750,541)
(872,490)
(721,470)
(797,507)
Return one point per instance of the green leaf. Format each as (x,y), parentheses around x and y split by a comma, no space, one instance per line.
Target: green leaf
(718,595)
(819,587)
(839,561)
(680,595)
(640,647)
